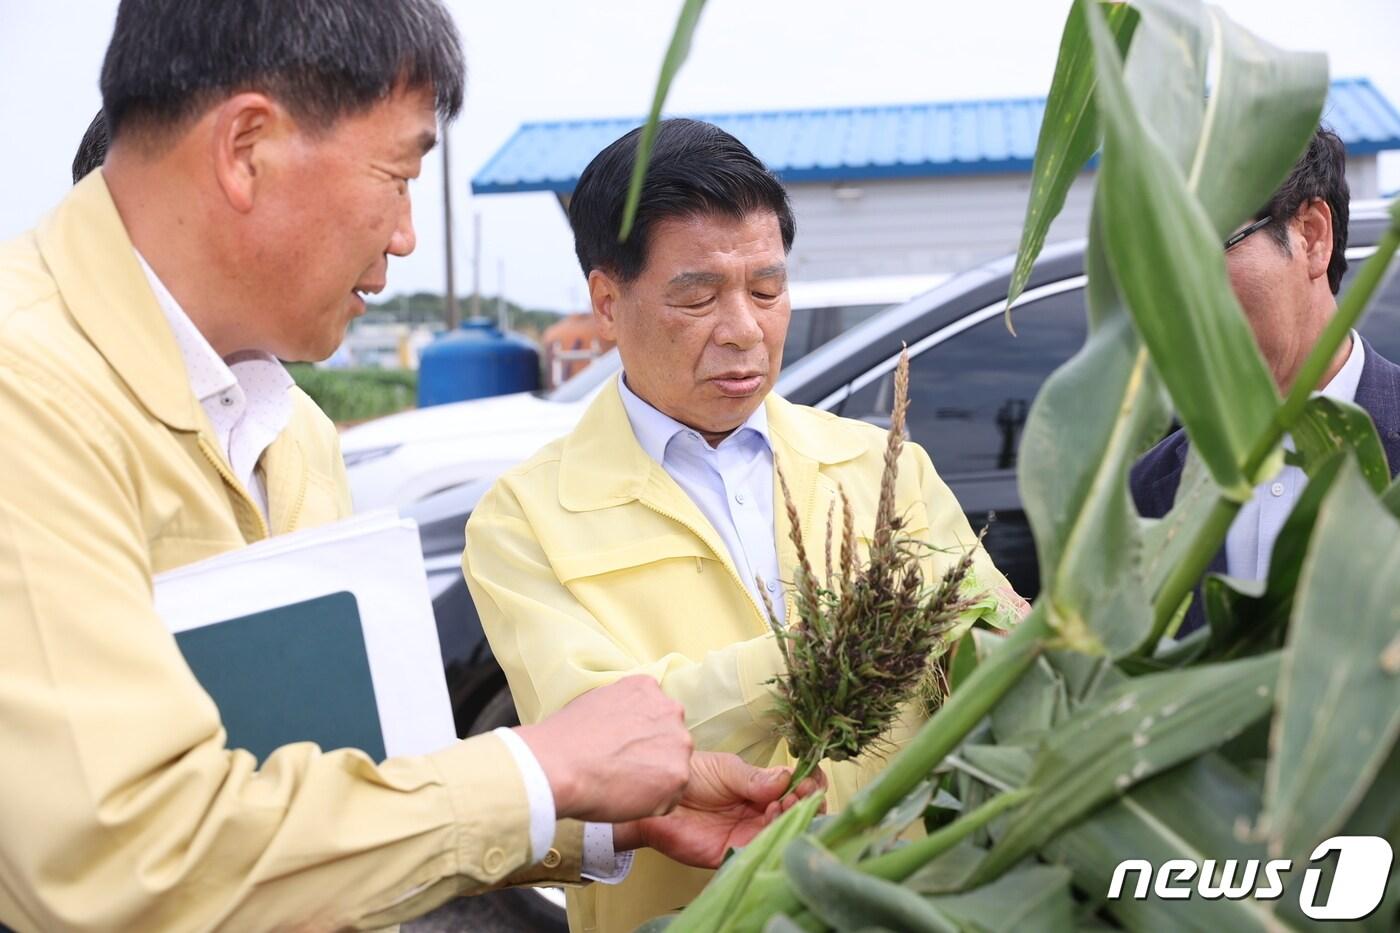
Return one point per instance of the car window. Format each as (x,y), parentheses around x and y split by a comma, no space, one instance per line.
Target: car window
(1381,325)
(809,328)
(969,395)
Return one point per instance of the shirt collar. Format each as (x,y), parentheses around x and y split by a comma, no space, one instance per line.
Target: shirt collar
(655,429)
(208,373)
(1343,385)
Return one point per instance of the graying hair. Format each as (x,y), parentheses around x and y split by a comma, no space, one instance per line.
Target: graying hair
(322,59)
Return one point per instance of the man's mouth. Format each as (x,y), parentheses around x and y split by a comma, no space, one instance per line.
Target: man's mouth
(739,384)
(361,292)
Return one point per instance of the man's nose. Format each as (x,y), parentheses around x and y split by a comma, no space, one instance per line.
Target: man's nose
(739,325)
(403,240)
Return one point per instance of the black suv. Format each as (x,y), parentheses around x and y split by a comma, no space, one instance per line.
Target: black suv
(971,386)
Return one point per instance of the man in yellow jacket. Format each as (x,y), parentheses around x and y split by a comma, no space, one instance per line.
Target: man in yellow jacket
(255,187)
(634,544)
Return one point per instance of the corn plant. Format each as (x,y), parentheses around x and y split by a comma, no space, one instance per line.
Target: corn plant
(1090,736)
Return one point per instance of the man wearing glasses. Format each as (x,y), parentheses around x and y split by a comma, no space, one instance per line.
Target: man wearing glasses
(1286,267)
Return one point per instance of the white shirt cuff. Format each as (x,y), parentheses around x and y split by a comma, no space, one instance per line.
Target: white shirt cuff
(601,862)
(538,792)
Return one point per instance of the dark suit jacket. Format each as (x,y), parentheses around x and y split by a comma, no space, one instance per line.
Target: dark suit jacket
(1155,477)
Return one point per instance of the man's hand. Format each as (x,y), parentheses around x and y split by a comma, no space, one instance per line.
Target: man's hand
(726,804)
(617,753)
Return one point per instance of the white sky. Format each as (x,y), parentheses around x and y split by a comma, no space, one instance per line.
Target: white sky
(552,59)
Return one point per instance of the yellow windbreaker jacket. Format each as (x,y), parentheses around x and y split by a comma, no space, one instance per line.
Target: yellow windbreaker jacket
(588,563)
(120,806)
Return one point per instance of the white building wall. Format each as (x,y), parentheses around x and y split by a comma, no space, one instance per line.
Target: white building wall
(913,226)
(1362,177)
(938,225)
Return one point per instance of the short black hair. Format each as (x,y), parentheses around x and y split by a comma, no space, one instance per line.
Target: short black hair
(322,59)
(1320,173)
(92,151)
(696,169)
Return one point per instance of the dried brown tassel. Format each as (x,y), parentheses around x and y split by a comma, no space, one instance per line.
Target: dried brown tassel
(894,446)
(830,567)
(806,580)
(848,541)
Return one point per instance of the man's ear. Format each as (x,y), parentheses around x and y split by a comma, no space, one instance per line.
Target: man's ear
(604,293)
(246,130)
(1315,224)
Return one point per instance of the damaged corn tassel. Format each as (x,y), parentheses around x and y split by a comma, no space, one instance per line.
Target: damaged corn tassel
(869,637)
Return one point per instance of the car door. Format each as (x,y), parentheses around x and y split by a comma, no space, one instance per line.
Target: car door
(971,385)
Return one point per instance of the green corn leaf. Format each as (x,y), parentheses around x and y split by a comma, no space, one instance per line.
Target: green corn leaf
(1130,733)
(1091,419)
(1328,425)
(1378,814)
(999,766)
(1190,812)
(1034,899)
(948,873)
(675,57)
(782,923)
(1165,246)
(849,900)
(1339,699)
(1391,498)
(964,659)
(899,818)
(1167,539)
(1069,135)
(1085,677)
(1032,707)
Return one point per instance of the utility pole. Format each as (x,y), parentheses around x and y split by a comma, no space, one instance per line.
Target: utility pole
(454,316)
(476,265)
(502,315)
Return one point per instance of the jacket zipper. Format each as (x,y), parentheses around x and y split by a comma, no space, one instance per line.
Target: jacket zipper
(295,514)
(233,483)
(727,564)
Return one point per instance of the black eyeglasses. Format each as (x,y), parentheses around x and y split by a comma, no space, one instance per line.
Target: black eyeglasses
(1235,238)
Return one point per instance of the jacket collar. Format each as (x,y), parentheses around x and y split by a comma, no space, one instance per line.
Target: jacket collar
(1378,391)
(603,464)
(92,260)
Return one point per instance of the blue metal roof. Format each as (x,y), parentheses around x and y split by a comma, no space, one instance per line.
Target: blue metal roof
(858,143)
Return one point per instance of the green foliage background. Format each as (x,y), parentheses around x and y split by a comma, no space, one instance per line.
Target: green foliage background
(350,395)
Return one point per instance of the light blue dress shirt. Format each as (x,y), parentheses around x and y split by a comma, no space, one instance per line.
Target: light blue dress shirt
(1250,541)
(731,484)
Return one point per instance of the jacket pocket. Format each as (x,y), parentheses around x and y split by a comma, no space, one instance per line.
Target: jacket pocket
(571,567)
(661,596)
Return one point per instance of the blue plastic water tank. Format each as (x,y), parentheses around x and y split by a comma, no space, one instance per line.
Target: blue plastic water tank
(476,361)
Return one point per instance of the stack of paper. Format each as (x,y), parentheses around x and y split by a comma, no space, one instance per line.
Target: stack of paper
(325,635)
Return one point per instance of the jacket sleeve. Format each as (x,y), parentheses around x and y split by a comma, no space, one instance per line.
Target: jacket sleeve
(120,805)
(552,649)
